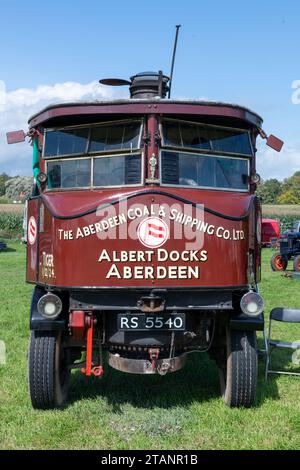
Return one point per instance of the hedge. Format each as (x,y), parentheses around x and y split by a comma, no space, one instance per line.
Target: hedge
(11,222)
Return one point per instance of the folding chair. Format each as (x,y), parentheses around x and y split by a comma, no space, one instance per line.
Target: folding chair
(284,315)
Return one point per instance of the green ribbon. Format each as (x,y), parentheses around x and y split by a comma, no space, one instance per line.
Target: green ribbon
(36,160)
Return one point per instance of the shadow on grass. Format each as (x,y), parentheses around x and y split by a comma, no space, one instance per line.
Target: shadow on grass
(198,381)
(265,389)
(7,250)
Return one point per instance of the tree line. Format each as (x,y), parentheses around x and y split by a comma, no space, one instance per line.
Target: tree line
(15,187)
(271,191)
(287,191)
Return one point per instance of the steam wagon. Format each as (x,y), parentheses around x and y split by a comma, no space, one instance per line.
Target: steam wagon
(143,239)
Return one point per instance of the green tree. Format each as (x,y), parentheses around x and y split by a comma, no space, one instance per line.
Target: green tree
(269,191)
(291,186)
(19,187)
(288,197)
(3,179)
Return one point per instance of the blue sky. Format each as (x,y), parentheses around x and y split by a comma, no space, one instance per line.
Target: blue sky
(242,52)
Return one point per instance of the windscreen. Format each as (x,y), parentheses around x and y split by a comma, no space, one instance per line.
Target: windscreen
(205,137)
(107,171)
(69,173)
(98,138)
(117,170)
(204,171)
(97,155)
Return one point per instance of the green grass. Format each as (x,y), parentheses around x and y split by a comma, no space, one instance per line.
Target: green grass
(179,411)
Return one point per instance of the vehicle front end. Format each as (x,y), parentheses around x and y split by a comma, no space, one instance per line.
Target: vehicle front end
(143,240)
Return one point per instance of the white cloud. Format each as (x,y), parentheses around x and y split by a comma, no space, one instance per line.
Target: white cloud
(2,96)
(271,164)
(18,105)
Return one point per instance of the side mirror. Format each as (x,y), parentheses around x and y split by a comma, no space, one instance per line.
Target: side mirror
(274,143)
(15,137)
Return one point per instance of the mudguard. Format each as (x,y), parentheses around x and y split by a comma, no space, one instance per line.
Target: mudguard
(241,321)
(37,322)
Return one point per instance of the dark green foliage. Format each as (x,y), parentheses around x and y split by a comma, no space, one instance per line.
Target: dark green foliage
(11,222)
(3,179)
(19,187)
(273,191)
(269,191)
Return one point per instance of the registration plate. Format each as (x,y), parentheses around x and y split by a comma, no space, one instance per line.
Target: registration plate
(142,322)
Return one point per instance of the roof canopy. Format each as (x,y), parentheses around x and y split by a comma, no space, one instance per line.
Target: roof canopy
(53,114)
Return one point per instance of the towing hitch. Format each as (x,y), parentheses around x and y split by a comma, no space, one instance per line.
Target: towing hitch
(80,324)
(91,369)
(153,353)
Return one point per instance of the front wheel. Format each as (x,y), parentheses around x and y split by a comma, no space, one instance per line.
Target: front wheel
(49,373)
(277,263)
(238,377)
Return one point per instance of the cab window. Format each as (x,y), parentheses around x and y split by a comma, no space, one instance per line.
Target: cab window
(65,142)
(217,139)
(98,138)
(69,173)
(117,137)
(98,155)
(117,170)
(204,171)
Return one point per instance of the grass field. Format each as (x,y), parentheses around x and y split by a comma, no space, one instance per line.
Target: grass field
(19,208)
(179,411)
(279,210)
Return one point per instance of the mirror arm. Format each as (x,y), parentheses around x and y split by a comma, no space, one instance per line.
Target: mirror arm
(262,133)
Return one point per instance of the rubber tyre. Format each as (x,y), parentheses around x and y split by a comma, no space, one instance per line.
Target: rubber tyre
(49,375)
(277,264)
(296,263)
(238,377)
